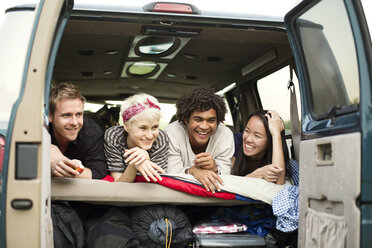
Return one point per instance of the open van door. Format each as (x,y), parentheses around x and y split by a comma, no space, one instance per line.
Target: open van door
(29,38)
(332,51)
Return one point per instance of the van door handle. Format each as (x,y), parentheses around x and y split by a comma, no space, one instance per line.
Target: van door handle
(21,204)
(324,153)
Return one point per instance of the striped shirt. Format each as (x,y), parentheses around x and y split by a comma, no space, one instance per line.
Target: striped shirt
(116,143)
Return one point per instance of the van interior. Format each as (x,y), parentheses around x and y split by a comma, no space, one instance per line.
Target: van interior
(117,55)
(111,56)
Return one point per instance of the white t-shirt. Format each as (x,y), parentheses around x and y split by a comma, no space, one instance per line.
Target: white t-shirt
(181,156)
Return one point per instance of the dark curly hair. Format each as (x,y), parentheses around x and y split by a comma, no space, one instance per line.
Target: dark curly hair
(202,99)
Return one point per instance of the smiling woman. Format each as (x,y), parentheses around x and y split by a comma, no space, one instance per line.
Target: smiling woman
(139,144)
(264,152)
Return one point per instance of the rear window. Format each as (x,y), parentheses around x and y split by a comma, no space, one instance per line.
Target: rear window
(329,50)
(274,94)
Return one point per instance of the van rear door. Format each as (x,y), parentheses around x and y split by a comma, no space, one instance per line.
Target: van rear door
(25,176)
(332,51)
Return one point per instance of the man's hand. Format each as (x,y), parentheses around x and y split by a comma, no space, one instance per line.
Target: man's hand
(136,156)
(205,161)
(150,170)
(60,165)
(208,178)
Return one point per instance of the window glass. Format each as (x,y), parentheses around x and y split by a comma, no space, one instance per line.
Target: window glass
(168,111)
(274,94)
(367,8)
(329,50)
(92,107)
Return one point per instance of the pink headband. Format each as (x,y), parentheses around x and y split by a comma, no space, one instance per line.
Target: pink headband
(138,108)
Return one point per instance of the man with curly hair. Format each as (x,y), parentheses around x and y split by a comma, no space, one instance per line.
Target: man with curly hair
(200,144)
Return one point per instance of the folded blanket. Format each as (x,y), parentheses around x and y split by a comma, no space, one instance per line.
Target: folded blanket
(219,226)
(234,188)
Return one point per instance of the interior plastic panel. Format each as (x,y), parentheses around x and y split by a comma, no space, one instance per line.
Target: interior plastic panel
(329,191)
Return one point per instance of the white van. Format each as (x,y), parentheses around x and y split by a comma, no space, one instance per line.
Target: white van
(113,50)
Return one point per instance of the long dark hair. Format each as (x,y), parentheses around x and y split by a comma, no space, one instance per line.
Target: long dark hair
(242,164)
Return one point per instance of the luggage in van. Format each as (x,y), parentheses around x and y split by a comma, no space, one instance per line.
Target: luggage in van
(229,240)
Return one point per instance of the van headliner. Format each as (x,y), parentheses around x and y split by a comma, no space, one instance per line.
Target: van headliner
(234,43)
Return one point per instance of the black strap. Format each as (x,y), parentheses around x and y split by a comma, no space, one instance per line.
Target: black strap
(295,123)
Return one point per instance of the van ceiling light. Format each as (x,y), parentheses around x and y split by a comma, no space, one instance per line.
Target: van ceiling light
(260,61)
(150,75)
(190,56)
(134,87)
(111,52)
(178,44)
(171,75)
(156,45)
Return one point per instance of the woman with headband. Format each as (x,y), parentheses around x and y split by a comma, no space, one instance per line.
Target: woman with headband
(139,145)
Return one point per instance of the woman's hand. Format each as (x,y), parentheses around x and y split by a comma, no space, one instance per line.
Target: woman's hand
(276,124)
(271,172)
(149,170)
(136,156)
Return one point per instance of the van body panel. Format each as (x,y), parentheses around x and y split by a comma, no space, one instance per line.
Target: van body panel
(16,68)
(364,49)
(36,228)
(341,186)
(326,188)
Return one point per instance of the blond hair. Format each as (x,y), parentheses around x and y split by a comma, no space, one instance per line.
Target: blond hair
(63,91)
(141,98)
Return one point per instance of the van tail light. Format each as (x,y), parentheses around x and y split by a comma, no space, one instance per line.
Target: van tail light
(2,148)
(171,8)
